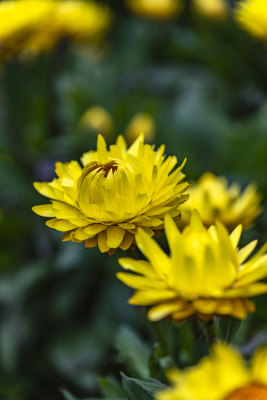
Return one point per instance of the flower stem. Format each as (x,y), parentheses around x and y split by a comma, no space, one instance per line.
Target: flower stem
(163,342)
(209,330)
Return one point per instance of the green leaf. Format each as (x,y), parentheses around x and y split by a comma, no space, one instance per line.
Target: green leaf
(229,328)
(110,388)
(134,353)
(135,389)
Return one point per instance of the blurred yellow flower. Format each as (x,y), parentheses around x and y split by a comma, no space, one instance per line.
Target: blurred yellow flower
(252,15)
(81,20)
(159,9)
(214,9)
(216,200)
(223,375)
(116,191)
(37,25)
(206,273)
(97,119)
(141,123)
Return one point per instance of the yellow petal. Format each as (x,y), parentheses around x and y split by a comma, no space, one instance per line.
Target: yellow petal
(259,366)
(60,224)
(147,297)
(94,229)
(207,306)
(44,210)
(127,241)
(159,260)
(92,242)
(114,236)
(140,282)
(235,235)
(45,189)
(246,251)
(102,242)
(162,310)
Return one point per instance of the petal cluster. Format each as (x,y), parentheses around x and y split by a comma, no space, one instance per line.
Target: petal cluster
(116,191)
(159,9)
(252,16)
(215,200)
(205,274)
(221,376)
(37,25)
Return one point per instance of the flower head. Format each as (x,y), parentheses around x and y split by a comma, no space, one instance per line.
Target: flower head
(206,273)
(214,9)
(115,192)
(98,119)
(221,376)
(252,15)
(215,200)
(159,9)
(37,25)
(141,122)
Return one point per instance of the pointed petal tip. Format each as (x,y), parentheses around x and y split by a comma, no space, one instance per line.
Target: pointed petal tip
(196,221)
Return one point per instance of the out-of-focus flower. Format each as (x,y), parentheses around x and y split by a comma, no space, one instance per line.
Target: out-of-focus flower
(81,20)
(98,119)
(206,273)
(223,375)
(159,9)
(141,123)
(115,192)
(214,9)
(37,25)
(216,200)
(252,15)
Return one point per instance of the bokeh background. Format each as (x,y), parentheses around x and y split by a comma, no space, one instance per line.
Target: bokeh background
(64,319)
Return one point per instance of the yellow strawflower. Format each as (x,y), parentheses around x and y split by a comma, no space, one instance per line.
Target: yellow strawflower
(223,375)
(97,119)
(159,9)
(216,200)
(252,15)
(115,192)
(81,20)
(37,25)
(206,273)
(141,123)
(214,9)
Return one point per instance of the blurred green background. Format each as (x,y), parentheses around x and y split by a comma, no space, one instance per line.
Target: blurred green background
(63,314)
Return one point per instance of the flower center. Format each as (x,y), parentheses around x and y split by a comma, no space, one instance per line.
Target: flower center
(255,391)
(103,167)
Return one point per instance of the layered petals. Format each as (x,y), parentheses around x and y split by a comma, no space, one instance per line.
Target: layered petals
(37,25)
(252,16)
(117,190)
(221,376)
(215,200)
(206,274)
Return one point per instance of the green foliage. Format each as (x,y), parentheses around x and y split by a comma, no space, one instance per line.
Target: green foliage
(135,389)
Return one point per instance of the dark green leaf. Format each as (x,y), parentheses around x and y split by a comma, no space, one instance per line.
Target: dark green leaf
(133,351)
(135,389)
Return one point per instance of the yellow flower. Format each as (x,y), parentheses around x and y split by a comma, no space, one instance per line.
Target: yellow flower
(116,191)
(214,9)
(141,123)
(252,15)
(37,25)
(205,275)
(221,376)
(159,9)
(98,119)
(215,200)
(81,20)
